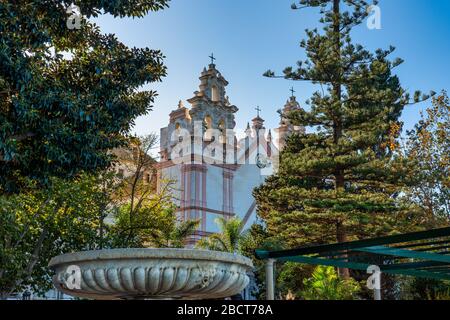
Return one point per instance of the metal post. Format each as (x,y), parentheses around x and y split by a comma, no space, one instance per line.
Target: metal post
(270,285)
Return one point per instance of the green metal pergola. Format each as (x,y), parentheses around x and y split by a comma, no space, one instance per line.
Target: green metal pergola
(421,254)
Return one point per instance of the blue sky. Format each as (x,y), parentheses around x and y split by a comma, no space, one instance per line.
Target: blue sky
(250,36)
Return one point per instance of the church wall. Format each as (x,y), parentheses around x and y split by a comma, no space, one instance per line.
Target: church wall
(210,222)
(214,187)
(246,178)
(173,174)
(208,190)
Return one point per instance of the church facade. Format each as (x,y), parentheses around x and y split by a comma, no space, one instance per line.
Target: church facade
(210,171)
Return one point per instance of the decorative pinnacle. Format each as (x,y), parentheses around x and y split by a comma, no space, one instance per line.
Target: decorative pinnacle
(212,58)
(258,110)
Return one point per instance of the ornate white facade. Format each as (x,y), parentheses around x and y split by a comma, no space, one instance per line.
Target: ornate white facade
(206,190)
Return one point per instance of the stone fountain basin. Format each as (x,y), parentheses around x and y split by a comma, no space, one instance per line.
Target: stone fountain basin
(151,274)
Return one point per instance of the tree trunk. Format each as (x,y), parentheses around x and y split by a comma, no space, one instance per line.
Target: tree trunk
(337,88)
(101,233)
(32,262)
(341,236)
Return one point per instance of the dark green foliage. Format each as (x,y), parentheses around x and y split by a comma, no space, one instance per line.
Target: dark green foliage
(291,277)
(67,96)
(424,289)
(340,181)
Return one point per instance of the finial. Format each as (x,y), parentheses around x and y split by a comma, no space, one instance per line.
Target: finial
(212,58)
(292,91)
(180,104)
(258,110)
(248,125)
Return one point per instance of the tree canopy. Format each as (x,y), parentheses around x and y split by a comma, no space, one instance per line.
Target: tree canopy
(42,223)
(428,150)
(68,95)
(340,180)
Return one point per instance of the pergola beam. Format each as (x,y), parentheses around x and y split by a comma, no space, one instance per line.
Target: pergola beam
(380,250)
(364,266)
(419,263)
(399,238)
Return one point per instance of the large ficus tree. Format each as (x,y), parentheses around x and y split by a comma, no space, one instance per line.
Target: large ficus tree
(67,95)
(339,182)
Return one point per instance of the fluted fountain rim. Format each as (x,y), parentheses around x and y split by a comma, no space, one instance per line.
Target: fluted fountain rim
(150,253)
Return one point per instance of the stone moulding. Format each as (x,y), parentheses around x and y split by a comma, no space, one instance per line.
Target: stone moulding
(151,274)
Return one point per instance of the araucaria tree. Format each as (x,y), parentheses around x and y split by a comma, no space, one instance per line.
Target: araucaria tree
(67,94)
(339,182)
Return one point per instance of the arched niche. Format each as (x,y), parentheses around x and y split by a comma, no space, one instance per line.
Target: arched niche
(207,124)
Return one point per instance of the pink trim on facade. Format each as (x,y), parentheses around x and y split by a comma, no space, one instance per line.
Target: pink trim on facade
(208,210)
(224,191)
(232,167)
(196,192)
(197,235)
(231,191)
(248,214)
(204,199)
(227,205)
(183,192)
(164,164)
(188,193)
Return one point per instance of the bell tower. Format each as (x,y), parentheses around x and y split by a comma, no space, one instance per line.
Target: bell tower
(286,128)
(205,186)
(210,104)
(209,108)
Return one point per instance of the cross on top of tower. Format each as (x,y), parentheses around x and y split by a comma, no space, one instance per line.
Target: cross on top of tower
(292,91)
(212,58)
(258,110)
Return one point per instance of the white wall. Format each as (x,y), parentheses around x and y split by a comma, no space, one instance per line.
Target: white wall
(246,178)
